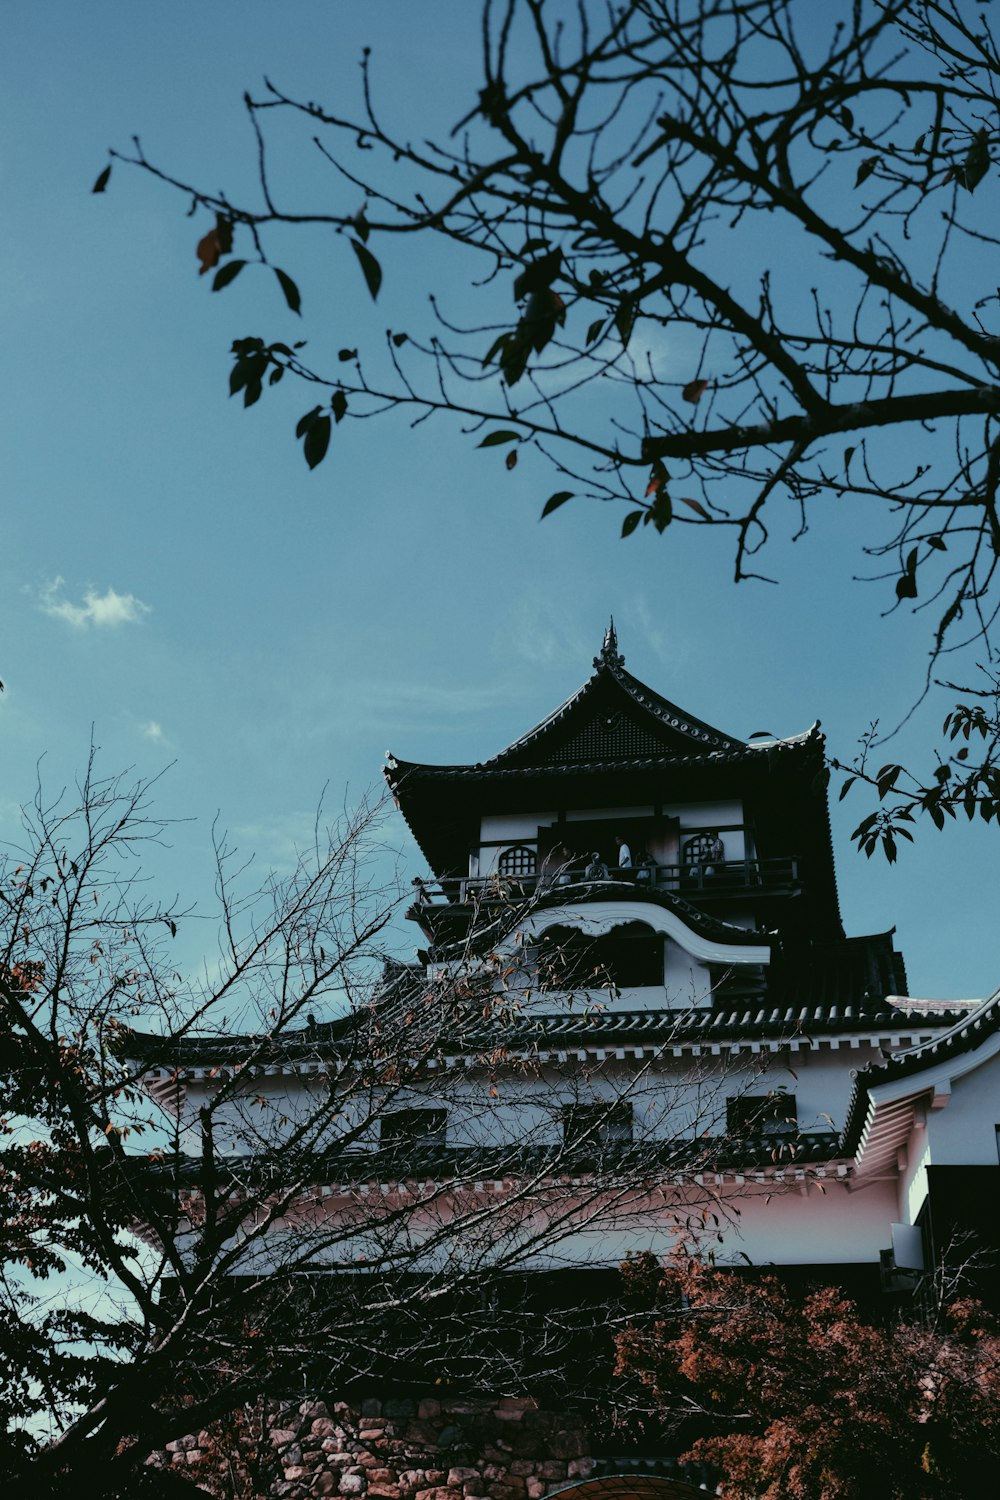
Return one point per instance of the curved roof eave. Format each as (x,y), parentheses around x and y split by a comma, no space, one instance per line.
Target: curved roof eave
(706,931)
(397,771)
(967,1033)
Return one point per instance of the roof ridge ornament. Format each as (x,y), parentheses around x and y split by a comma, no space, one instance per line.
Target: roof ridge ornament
(609,655)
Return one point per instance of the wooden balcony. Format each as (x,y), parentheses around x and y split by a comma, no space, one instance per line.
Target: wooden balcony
(695,882)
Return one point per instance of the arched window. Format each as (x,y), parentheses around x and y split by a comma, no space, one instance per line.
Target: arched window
(698,851)
(703,858)
(517,860)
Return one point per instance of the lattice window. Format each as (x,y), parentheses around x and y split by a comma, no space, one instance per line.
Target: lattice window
(517,860)
(698,851)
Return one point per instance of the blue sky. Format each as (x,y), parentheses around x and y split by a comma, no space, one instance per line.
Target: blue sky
(178,581)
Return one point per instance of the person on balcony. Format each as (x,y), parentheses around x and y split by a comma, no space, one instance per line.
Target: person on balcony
(716,854)
(624,855)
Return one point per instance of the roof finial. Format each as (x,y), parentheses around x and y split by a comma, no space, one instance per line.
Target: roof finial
(610,656)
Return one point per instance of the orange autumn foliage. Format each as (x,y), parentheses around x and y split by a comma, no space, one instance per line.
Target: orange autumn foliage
(803,1398)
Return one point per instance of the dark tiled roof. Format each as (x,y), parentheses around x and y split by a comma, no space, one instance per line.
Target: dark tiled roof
(629,1160)
(716,1023)
(857,971)
(596,1027)
(397,772)
(673,737)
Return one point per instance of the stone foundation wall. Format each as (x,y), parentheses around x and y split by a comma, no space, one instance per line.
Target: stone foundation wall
(507,1449)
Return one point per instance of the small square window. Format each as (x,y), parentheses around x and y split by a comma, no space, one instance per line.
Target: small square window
(757,1115)
(597,1125)
(402,1128)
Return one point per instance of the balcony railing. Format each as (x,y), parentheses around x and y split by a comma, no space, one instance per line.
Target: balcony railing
(695,881)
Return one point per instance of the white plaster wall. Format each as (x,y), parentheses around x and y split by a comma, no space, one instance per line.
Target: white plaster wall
(821,1080)
(687,989)
(913,1177)
(517,828)
(241,1125)
(814,1223)
(670,1096)
(964,1132)
(784,1223)
(514,826)
(586,814)
(687,980)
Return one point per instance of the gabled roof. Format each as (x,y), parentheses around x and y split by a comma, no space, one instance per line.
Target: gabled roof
(880,1113)
(613,720)
(613,712)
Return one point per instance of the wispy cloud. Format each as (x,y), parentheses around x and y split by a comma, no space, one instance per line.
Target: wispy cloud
(278,843)
(539,631)
(275,842)
(99,610)
(396,706)
(10,816)
(150,730)
(658,628)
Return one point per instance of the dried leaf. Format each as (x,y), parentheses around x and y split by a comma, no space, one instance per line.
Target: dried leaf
(694,390)
(657,479)
(209,250)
